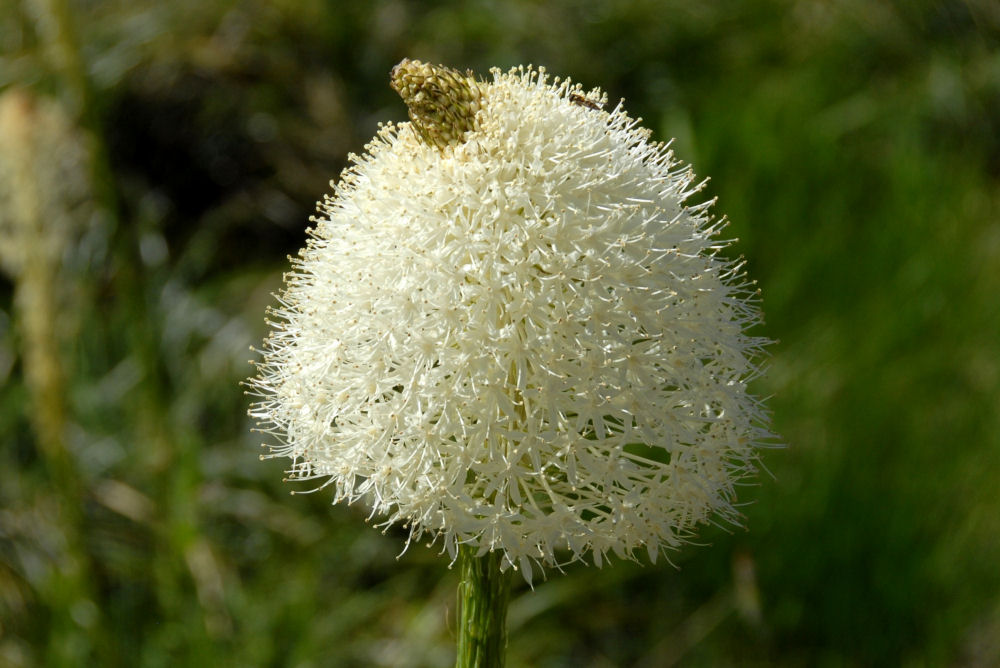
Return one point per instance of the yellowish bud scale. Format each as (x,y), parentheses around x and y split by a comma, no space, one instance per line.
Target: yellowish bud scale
(442,102)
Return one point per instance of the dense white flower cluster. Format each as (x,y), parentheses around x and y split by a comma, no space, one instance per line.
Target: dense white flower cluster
(522,340)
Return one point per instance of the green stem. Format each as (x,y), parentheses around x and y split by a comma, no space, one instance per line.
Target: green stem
(482,610)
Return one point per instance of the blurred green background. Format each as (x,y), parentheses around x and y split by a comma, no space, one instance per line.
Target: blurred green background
(159,161)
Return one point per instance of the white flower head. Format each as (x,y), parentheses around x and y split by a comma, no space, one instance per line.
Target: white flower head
(509,330)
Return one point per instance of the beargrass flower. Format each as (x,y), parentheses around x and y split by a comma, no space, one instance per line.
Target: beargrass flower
(511,331)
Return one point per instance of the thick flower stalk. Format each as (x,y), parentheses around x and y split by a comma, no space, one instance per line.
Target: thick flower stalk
(510,331)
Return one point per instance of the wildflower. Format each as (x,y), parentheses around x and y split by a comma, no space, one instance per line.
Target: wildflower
(46,209)
(510,331)
(45,196)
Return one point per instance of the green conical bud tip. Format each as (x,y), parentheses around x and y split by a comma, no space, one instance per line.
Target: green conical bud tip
(442,102)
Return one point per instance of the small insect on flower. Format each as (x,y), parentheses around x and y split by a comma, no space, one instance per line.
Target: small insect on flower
(510,330)
(583,101)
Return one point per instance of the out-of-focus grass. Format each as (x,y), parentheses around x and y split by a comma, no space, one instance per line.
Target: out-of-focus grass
(854,146)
